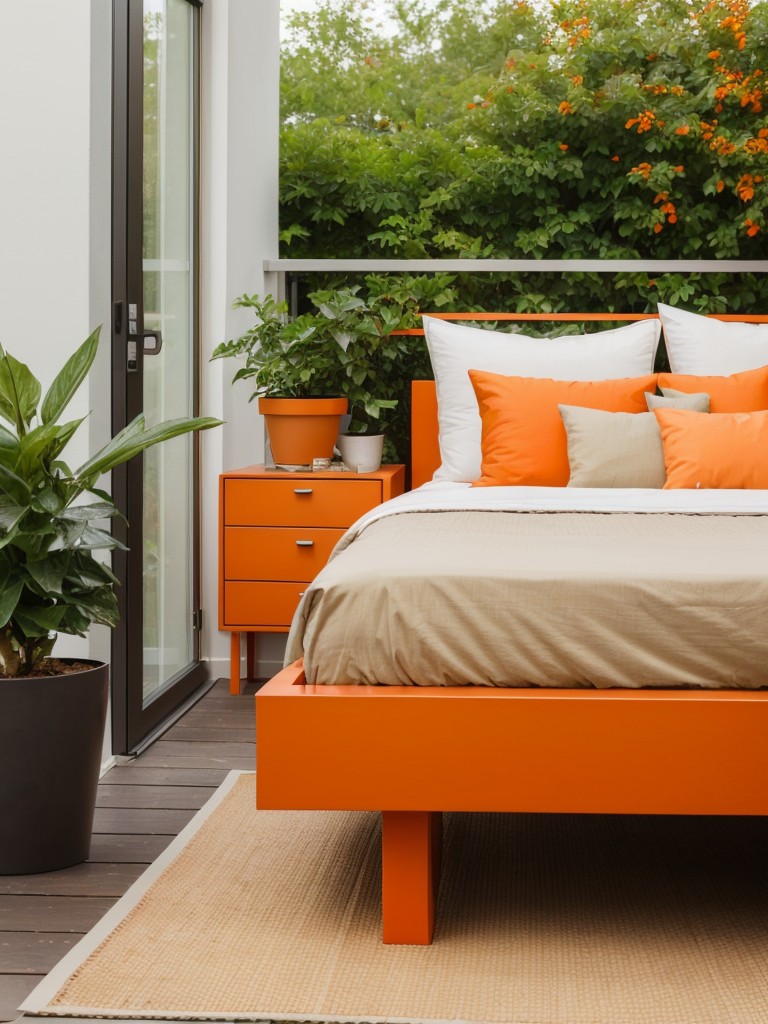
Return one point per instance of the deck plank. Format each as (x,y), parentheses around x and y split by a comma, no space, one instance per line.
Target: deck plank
(126,849)
(222,734)
(138,774)
(151,821)
(33,952)
(245,763)
(192,748)
(167,797)
(52,913)
(80,880)
(14,989)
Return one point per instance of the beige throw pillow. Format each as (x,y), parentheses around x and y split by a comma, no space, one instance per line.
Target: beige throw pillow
(696,402)
(613,449)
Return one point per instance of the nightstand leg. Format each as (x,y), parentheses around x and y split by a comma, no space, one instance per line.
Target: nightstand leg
(250,656)
(234,663)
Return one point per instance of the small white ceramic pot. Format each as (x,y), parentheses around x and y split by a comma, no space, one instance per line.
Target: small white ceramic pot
(361,452)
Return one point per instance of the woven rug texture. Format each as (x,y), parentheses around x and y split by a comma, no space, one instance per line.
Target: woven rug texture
(542,919)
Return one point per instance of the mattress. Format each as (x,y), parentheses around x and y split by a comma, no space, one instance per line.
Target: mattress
(570,587)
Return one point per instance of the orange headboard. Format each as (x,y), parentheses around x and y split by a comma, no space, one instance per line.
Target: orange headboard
(425,449)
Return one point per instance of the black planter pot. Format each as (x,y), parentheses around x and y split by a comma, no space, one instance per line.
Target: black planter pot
(51,738)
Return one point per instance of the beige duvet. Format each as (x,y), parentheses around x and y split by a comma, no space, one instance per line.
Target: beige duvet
(505,598)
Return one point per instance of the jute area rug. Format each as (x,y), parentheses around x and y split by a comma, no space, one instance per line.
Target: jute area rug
(542,920)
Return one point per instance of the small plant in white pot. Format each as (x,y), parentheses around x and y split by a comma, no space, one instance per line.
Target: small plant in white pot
(52,711)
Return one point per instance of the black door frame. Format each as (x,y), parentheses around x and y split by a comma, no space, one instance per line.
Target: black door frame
(135,723)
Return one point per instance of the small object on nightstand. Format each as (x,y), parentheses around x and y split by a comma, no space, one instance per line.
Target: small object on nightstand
(276,532)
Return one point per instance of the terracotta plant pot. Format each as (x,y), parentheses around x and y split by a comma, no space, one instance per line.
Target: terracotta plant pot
(51,739)
(302,429)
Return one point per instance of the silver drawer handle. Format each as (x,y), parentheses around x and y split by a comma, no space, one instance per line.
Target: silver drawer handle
(304,543)
(302,490)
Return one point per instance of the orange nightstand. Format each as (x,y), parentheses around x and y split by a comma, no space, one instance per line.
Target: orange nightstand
(276,531)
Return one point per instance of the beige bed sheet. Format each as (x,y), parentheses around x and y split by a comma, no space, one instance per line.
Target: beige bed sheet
(545,599)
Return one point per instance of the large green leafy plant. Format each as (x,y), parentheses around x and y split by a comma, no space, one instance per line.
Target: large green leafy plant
(52,517)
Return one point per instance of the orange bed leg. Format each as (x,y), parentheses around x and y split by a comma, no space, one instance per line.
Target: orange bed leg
(234,663)
(411,851)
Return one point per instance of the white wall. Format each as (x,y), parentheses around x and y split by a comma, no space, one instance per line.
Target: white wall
(240,74)
(55,248)
(55,182)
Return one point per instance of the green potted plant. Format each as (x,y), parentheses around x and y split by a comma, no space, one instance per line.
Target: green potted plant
(295,368)
(340,352)
(52,528)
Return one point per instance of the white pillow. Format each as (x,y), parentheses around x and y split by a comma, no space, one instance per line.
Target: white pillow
(454,350)
(703,346)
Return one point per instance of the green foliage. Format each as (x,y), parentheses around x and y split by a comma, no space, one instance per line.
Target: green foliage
(50,578)
(285,358)
(586,129)
(348,345)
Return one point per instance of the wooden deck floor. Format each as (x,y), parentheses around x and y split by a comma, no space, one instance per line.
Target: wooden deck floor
(141,807)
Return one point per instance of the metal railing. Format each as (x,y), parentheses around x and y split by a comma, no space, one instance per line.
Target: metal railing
(278,272)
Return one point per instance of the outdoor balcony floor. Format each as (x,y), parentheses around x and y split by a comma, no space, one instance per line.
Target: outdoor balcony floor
(141,807)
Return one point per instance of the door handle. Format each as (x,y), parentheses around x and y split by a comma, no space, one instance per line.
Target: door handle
(305,543)
(151,342)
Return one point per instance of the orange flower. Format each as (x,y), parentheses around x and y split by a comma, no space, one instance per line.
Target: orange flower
(682,130)
(721,145)
(564,146)
(679,169)
(565,108)
(714,54)
(657,227)
(720,186)
(745,188)
(577,79)
(615,159)
(752,228)
(644,121)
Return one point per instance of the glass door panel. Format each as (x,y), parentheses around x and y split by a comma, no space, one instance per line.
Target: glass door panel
(168,296)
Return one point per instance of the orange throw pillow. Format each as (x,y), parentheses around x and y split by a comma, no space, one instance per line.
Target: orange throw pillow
(523,437)
(714,449)
(741,392)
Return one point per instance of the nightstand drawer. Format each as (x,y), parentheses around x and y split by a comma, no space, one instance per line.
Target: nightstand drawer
(276,553)
(302,502)
(260,604)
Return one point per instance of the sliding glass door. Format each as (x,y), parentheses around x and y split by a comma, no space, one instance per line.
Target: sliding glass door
(155,354)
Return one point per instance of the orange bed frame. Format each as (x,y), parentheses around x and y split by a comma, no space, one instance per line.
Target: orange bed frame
(414,752)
